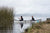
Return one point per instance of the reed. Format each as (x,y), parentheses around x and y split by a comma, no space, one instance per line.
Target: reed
(6,17)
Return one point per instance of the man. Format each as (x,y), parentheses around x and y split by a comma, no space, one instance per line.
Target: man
(21,19)
(33,19)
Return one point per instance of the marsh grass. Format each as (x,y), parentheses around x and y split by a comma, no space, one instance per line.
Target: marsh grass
(41,27)
(35,28)
(6,17)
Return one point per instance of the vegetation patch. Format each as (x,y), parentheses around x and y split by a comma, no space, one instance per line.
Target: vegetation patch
(6,17)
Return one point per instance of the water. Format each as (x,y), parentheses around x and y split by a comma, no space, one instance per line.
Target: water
(15,28)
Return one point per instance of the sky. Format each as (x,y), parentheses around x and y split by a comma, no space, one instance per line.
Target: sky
(26,7)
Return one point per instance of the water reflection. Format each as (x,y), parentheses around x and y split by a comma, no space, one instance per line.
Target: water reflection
(7,29)
(14,28)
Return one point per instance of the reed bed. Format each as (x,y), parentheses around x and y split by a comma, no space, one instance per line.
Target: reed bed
(6,17)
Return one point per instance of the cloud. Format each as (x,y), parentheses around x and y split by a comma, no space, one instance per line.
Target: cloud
(28,6)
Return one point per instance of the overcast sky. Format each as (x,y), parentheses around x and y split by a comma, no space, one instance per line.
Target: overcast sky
(28,6)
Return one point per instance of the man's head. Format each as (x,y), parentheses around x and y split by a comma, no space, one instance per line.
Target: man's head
(32,16)
(21,16)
